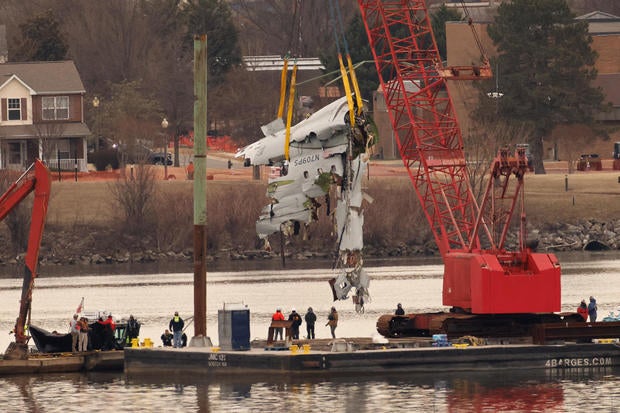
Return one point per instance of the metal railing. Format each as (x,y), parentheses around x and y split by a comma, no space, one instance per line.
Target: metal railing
(67,164)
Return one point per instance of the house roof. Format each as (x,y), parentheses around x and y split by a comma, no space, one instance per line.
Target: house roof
(45,77)
(65,130)
(601,23)
(597,15)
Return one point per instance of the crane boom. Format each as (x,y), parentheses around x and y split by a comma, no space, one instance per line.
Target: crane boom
(422,116)
(36,179)
(425,125)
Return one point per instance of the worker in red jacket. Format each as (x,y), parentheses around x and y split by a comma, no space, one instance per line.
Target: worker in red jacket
(278,316)
(110,321)
(583,310)
(109,327)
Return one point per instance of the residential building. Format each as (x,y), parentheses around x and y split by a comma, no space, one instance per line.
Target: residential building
(42,115)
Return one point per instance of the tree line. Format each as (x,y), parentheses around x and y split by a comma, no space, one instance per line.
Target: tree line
(135,56)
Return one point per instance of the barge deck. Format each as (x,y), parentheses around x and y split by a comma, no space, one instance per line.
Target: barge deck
(64,363)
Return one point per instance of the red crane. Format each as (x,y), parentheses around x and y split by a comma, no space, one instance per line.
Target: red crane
(480,276)
(37,178)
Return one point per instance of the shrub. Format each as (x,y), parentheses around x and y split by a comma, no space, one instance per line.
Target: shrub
(395,216)
(102,158)
(232,213)
(174,219)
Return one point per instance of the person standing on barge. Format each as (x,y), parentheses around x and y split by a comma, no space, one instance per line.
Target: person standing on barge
(83,328)
(108,333)
(583,310)
(277,316)
(75,333)
(296,319)
(592,308)
(176,325)
(133,329)
(310,318)
(332,321)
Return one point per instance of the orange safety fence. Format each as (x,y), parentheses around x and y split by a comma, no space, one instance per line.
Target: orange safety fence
(222,143)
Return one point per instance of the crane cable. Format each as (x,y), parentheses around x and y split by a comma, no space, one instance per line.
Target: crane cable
(343,70)
(470,22)
(356,88)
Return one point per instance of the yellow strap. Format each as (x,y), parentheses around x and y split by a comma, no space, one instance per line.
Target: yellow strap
(356,86)
(347,90)
(289,116)
(282,87)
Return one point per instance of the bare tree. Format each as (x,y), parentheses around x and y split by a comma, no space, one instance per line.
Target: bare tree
(279,26)
(110,41)
(572,139)
(49,133)
(252,91)
(482,145)
(136,198)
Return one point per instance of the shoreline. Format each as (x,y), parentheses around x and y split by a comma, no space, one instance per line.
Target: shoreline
(169,266)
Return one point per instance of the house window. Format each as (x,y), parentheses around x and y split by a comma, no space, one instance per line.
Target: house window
(55,107)
(15,153)
(14,108)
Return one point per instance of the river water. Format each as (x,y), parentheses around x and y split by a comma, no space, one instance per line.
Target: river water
(153,298)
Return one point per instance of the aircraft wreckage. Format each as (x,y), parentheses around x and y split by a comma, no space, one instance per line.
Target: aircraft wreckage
(325,151)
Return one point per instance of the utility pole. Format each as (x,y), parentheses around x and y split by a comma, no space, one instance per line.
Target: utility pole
(200,192)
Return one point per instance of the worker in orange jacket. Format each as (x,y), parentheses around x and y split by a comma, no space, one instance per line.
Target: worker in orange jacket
(583,310)
(278,316)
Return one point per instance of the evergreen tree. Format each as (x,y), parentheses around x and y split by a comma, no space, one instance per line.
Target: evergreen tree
(214,18)
(41,40)
(547,66)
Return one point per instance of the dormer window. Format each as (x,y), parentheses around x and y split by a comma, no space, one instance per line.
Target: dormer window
(55,107)
(14,109)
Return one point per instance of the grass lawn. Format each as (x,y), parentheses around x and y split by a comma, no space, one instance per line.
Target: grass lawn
(590,195)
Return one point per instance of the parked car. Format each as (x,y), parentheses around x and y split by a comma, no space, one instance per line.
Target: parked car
(157,158)
(589,162)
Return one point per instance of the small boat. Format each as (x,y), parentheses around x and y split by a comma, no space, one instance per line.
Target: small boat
(47,342)
(54,342)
